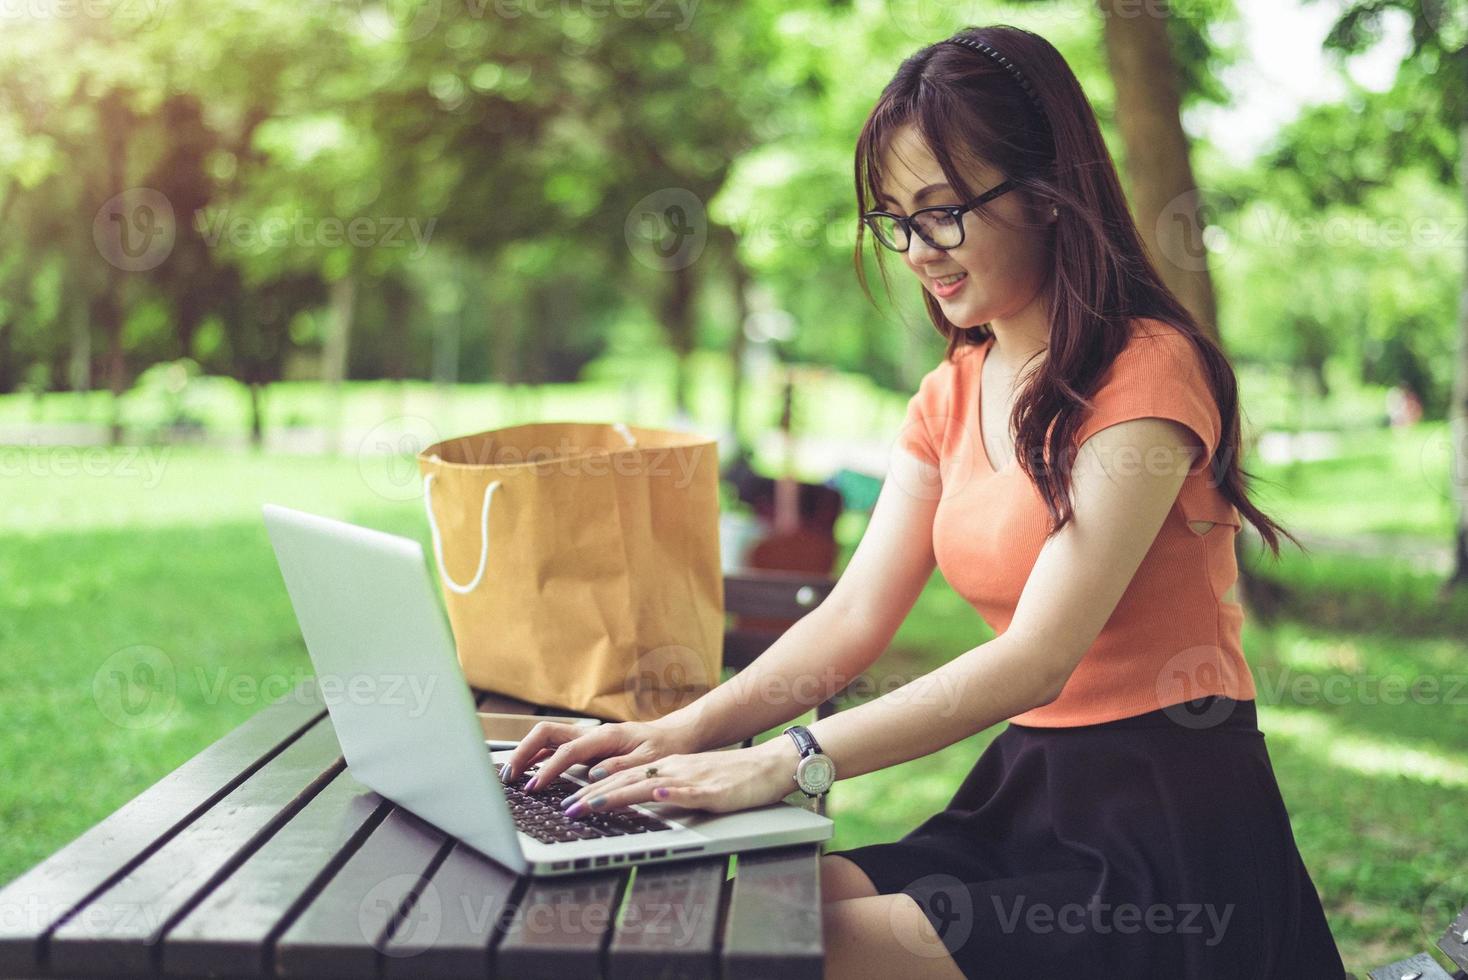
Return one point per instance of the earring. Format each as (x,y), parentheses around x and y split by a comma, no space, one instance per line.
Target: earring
(1054,212)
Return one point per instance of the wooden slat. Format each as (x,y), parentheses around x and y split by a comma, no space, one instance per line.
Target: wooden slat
(117,932)
(560,926)
(1454,942)
(234,924)
(774,921)
(504,704)
(457,916)
(668,926)
(1419,967)
(339,933)
(774,594)
(34,903)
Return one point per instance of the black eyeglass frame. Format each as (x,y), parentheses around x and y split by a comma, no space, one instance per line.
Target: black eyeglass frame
(955,211)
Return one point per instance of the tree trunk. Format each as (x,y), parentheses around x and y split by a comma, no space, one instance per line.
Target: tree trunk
(1164,196)
(257,419)
(1458,410)
(79,371)
(107,314)
(1159,175)
(9,376)
(678,323)
(739,280)
(334,351)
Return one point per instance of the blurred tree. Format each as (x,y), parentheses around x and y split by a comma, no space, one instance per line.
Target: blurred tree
(1438,59)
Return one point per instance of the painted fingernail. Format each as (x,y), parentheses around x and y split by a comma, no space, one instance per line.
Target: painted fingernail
(570,801)
(530,784)
(597,801)
(504,770)
(576,810)
(598,773)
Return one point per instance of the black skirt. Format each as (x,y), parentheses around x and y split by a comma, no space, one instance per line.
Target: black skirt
(1151,846)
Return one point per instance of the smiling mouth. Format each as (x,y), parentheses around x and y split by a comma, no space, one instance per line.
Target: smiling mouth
(949,280)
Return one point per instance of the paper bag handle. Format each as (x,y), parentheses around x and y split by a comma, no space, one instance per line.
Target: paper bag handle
(438,539)
(621,429)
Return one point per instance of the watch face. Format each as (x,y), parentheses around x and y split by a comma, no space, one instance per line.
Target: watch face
(815,774)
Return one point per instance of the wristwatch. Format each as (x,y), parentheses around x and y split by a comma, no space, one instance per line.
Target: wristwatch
(816,772)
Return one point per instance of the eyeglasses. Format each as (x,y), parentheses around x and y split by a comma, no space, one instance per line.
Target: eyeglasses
(940,226)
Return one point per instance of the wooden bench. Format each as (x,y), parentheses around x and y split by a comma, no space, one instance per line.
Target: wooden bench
(1453,943)
(263,856)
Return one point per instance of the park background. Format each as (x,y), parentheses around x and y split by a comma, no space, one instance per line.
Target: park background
(257,250)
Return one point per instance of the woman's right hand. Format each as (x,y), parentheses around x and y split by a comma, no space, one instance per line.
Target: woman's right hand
(605,748)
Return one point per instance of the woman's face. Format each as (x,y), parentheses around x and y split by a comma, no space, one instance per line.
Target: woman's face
(1000,270)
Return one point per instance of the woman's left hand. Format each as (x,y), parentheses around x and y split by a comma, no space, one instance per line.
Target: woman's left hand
(721,780)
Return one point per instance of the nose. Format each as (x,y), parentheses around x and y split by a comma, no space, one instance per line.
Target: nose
(920,253)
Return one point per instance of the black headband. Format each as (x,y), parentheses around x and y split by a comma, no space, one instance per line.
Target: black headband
(1004,63)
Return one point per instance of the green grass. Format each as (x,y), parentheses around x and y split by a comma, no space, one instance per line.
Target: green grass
(117,561)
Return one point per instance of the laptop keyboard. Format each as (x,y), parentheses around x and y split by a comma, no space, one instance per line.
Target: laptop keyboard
(539,814)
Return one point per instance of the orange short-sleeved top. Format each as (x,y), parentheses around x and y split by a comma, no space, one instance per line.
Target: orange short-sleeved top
(1171,637)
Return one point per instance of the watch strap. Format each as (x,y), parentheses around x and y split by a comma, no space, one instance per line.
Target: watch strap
(804,740)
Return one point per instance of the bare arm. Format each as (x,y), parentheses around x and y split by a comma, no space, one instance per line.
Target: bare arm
(833,643)
(1076,583)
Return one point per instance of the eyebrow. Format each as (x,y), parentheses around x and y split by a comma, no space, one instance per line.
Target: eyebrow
(919,195)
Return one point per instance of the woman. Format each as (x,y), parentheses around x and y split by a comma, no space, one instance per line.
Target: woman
(1072,467)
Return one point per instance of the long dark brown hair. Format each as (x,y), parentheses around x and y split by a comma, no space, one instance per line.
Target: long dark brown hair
(967,107)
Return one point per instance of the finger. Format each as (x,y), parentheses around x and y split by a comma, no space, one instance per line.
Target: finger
(618,763)
(610,783)
(655,790)
(632,771)
(545,734)
(582,747)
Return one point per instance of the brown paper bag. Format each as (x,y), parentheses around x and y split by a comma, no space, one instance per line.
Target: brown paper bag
(580,563)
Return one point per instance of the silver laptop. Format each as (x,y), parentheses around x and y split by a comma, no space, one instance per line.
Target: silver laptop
(385,661)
